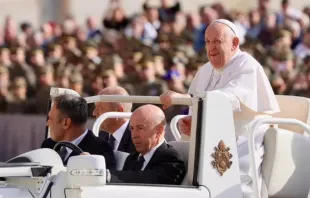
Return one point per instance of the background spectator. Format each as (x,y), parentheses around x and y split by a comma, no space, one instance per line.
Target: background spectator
(146,53)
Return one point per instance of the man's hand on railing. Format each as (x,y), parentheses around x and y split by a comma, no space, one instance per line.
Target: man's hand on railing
(166,98)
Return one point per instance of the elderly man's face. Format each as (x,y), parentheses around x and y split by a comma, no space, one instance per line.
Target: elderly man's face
(220,44)
(105,107)
(101,108)
(143,133)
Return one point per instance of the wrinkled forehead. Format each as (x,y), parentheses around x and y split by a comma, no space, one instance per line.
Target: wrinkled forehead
(138,118)
(215,30)
(220,30)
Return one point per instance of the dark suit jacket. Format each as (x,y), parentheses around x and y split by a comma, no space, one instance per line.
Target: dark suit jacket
(165,167)
(125,145)
(92,145)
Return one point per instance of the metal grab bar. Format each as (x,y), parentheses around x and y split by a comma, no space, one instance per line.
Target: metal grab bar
(174,127)
(136,99)
(55,91)
(103,117)
(251,142)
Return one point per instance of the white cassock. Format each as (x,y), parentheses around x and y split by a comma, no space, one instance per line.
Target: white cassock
(245,83)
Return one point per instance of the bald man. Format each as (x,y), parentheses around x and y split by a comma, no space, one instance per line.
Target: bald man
(115,130)
(154,162)
(239,77)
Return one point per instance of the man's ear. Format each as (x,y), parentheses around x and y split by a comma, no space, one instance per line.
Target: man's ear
(236,42)
(66,123)
(159,130)
(120,108)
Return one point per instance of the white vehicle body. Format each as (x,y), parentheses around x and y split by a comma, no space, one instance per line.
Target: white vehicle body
(41,174)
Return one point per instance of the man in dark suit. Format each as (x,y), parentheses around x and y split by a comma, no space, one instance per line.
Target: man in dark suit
(115,130)
(154,162)
(67,122)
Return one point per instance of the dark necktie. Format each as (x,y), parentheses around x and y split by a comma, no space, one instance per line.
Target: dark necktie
(111,141)
(139,163)
(63,153)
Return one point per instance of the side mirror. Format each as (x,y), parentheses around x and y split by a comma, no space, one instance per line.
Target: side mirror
(86,170)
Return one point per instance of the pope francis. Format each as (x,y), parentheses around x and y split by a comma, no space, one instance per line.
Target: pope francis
(239,77)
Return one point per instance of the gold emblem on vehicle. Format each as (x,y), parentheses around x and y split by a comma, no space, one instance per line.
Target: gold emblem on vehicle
(221,158)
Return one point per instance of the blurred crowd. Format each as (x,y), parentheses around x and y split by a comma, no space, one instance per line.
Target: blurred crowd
(146,53)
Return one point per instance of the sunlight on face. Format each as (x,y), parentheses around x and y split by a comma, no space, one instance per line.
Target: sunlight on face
(101,108)
(143,133)
(220,44)
(55,125)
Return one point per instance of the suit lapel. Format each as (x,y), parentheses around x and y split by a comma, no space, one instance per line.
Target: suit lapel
(156,156)
(49,143)
(131,161)
(83,144)
(104,135)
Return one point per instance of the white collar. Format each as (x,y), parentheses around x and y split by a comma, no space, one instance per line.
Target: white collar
(148,156)
(118,134)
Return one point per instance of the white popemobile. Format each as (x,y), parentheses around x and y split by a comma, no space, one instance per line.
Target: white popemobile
(210,156)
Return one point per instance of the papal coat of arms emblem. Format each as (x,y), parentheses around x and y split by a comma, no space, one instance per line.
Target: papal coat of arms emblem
(221,158)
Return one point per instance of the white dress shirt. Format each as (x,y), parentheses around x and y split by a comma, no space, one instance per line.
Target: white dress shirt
(76,142)
(148,156)
(118,135)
